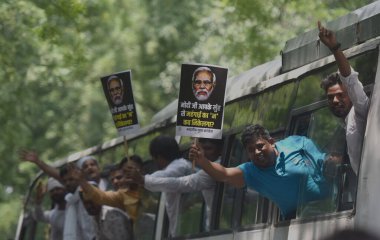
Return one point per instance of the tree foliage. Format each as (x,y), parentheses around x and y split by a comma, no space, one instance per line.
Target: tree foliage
(52,54)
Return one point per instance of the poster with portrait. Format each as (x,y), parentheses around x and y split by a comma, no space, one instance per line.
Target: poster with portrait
(201,101)
(118,91)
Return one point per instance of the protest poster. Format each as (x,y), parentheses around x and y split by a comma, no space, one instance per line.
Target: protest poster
(118,91)
(201,101)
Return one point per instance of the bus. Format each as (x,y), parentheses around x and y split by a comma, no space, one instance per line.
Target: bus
(284,96)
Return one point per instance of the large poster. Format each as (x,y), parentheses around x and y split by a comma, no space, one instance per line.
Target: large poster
(201,101)
(118,90)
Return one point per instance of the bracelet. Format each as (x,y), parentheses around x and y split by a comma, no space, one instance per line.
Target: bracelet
(335,48)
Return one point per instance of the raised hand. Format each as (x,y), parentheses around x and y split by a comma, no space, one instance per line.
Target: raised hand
(327,36)
(29,156)
(133,175)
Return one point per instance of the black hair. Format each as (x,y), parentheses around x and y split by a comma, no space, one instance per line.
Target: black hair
(165,147)
(330,80)
(253,133)
(136,159)
(217,142)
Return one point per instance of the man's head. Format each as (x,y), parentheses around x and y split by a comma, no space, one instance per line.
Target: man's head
(212,148)
(56,190)
(164,150)
(203,83)
(338,100)
(117,177)
(259,146)
(69,181)
(90,168)
(115,89)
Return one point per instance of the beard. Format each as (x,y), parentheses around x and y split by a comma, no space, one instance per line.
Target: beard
(339,111)
(202,94)
(117,100)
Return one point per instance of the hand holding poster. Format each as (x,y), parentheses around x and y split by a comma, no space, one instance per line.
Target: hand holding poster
(118,90)
(201,101)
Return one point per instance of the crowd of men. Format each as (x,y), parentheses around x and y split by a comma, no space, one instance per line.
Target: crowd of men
(85,210)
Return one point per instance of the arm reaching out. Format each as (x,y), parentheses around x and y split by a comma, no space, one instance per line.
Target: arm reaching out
(328,38)
(233,176)
(31,156)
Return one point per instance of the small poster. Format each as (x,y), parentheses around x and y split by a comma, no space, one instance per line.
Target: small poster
(201,101)
(118,90)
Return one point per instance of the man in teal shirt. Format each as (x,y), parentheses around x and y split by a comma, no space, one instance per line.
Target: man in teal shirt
(288,172)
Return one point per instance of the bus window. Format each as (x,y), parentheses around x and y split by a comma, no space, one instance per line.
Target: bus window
(191,215)
(270,108)
(327,132)
(229,193)
(309,90)
(314,120)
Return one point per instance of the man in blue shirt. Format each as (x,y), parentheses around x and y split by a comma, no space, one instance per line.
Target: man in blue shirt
(289,172)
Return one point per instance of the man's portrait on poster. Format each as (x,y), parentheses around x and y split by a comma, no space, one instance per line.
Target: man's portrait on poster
(203,83)
(115,90)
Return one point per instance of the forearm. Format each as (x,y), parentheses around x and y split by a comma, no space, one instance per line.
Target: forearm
(342,62)
(100,197)
(194,182)
(215,170)
(49,170)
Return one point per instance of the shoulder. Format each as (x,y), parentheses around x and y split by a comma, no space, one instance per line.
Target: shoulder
(248,166)
(180,162)
(291,141)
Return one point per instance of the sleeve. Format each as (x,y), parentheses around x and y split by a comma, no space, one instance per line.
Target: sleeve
(313,152)
(41,215)
(109,198)
(356,93)
(177,168)
(194,182)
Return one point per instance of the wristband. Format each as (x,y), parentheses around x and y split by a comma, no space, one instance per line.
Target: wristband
(336,47)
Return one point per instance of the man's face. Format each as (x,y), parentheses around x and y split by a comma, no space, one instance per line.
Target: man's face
(203,85)
(91,170)
(118,179)
(338,100)
(262,152)
(211,151)
(70,182)
(116,92)
(57,194)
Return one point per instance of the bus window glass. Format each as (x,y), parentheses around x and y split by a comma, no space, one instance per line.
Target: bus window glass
(230,192)
(328,133)
(270,108)
(190,217)
(309,90)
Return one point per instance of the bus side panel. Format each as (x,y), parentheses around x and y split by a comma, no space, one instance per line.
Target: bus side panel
(368,195)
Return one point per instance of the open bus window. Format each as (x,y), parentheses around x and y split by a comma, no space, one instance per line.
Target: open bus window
(328,133)
(313,119)
(191,217)
(229,192)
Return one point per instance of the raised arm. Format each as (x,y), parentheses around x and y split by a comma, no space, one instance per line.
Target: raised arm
(233,176)
(328,38)
(31,156)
